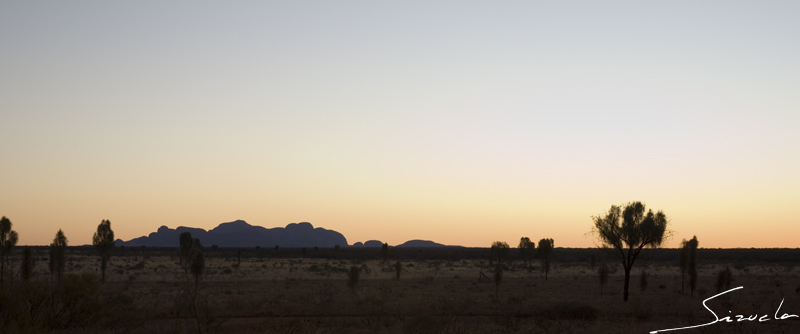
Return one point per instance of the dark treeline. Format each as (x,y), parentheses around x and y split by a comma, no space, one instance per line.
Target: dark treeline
(559,255)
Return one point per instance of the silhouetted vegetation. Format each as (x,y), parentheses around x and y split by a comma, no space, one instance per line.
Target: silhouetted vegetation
(76,305)
(8,239)
(58,255)
(546,254)
(683,263)
(628,230)
(689,263)
(602,274)
(643,281)
(103,241)
(724,279)
(26,269)
(398,268)
(526,250)
(422,324)
(353,277)
(498,277)
(498,251)
(448,287)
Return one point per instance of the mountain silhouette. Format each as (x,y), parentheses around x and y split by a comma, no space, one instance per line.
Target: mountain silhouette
(241,234)
(420,244)
(369,244)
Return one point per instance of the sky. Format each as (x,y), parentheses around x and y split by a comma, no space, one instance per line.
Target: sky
(461,122)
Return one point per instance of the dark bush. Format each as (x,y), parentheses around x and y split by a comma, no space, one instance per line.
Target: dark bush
(421,324)
(570,311)
(77,304)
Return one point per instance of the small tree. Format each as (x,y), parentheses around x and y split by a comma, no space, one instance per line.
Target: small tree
(198,266)
(192,258)
(398,269)
(193,263)
(643,281)
(27,264)
(545,253)
(627,230)
(602,274)
(385,252)
(691,250)
(724,279)
(592,260)
(103,241)
(8,239)
(526,249)
(498,276)
(185,251)
(683,262)
(500,250)
(238,256)
(353,277)
(52,261)
(58,255)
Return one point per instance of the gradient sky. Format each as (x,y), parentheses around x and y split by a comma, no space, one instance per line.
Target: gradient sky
(459,122)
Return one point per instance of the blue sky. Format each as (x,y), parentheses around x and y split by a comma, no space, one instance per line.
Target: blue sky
(395,121)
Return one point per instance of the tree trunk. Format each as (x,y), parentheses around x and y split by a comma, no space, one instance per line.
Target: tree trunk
(683,279)
(627,283)
(2,267)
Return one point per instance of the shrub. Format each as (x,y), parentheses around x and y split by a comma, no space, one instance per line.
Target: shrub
(398,269)
(724,278)
(570,311)
(353,276)
(138,266)
(75,305)
(643,281)
(421,324)
(602,275)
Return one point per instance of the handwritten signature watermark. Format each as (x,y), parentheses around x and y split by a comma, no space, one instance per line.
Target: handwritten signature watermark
(738,317)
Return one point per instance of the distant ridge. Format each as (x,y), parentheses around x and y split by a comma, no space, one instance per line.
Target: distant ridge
(421,244)
(239,233)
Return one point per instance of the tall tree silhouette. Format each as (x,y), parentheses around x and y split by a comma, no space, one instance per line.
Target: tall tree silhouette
(691,261)
(193,262)
(58,255)
(103,241)
(602,275)
(498,276)
(627,230)
(8,239)
(198,264)
(545,254)
(185,250)
(683,262)
(191,254)
(385,252)
(526,249)
(500,250)
(27,264)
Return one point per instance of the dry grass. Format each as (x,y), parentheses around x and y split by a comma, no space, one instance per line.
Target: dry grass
(311,296)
